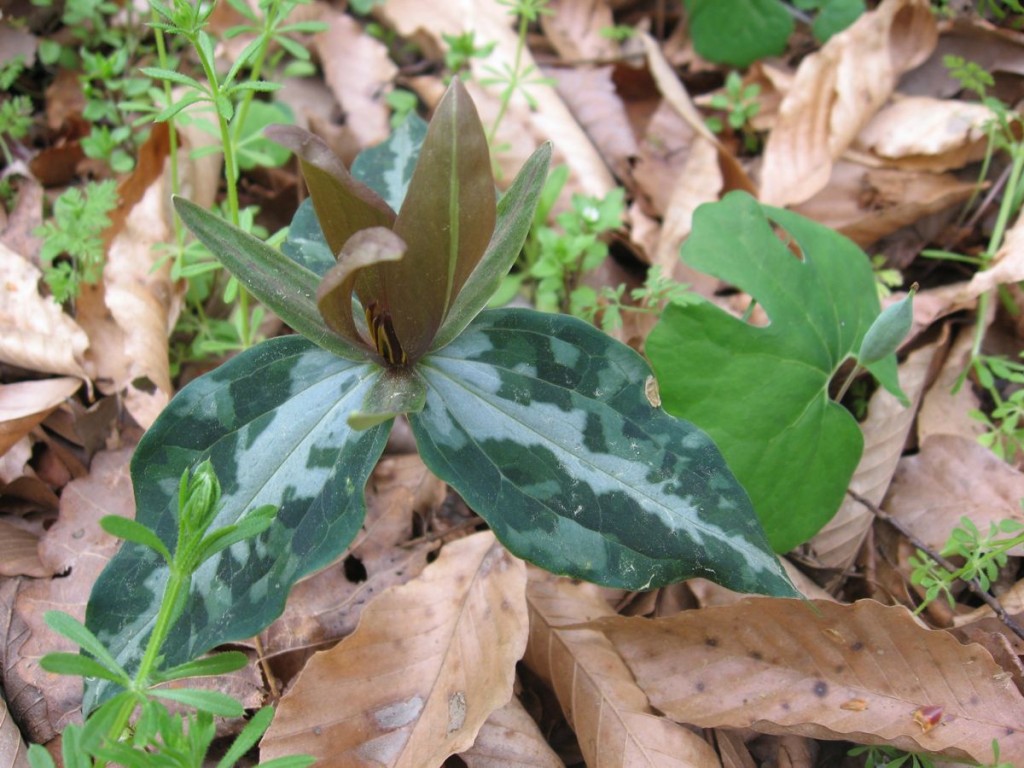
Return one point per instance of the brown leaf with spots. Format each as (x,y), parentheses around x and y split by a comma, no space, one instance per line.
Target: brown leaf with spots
(428,663)
(863,672)
(613,721)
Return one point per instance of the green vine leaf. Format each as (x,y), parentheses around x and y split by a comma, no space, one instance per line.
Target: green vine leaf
(763,393)
(541,422)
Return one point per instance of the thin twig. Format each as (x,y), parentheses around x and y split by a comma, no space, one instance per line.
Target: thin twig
(972,584)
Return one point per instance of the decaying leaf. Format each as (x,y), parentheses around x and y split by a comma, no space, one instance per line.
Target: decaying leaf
(1007,267)
(927,134)
(550,119)
(35,334)
(836,91)
(25,404)
(949,478)
(359,72)
(510,739)
(19,552)
(613,721)
(76,545)
(13,752)
(825,670)
(428,663)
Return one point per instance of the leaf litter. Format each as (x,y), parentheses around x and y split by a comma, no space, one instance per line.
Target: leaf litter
(865,134)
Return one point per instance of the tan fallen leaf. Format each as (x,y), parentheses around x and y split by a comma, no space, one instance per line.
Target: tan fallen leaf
(140,296)
(45,703)
(573,27)
(19,552)
(550,120)
(952,477)
(863,672)
(13,752)
(676,95)
(885,432)
(921,133)
(734,752)
(428,663)
(866,204)
(836,91)
(25,404)
(510,739)
(593,100)
(612,719)
(327,605)
(945,407)
(35,334)
(360,72)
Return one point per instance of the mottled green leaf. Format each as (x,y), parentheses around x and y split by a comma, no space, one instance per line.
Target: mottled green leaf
(306,244)
(284,286)
(387,168)
(446,221)
(762,393)
(738,32)
(515,215)
(273,421)
(541,422)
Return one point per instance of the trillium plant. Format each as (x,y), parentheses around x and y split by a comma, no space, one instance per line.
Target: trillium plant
(548,428)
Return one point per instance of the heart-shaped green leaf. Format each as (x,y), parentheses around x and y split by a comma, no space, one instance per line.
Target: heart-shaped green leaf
(273,421)
(762,393)
(541,422)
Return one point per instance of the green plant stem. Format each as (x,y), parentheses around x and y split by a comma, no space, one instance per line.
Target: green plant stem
(231,180)
(177,584)
(506,95)
(1006,209)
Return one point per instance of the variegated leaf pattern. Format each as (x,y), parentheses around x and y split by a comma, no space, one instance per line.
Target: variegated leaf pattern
(387,168)
(273,420)
(541,423)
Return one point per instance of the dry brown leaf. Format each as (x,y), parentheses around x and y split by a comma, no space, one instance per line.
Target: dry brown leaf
(26,403)
(511,739)
(573,27)
(140,296)
(676,95)
(19,552)
(863,672)
(43,702)
(951,477)
(925,134)
(866,204)
(885,432)
(550,121)
(734,752)
(836,91)
(945,406)
(35,334)
(359,71)
(613,721)
(13,752)
(327,605)
(591,97)
(428,663)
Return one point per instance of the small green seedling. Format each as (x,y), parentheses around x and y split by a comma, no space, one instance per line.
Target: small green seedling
(740,104)
(155,736)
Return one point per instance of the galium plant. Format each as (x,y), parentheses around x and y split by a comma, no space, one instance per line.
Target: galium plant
(134,728)
(540,421)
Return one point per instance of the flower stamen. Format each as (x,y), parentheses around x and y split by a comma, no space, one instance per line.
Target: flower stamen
(383,336)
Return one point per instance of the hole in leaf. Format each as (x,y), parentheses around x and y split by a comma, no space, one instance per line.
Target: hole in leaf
(355,571)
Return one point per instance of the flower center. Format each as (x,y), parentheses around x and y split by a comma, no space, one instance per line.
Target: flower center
(382,333)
